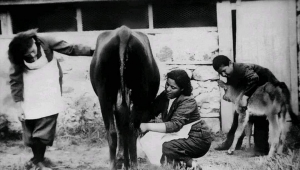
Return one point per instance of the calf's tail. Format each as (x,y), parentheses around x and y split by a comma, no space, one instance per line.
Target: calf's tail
(294,118)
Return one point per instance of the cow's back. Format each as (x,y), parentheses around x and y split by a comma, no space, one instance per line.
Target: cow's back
(104,68)
(125,77)
(141,72)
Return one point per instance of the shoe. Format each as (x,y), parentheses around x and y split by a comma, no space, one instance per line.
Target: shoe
(120,163)
(223,146)
(238,146)
(29,164)
(255,154)
(48,163)
(226,146)
(261,153)
(195,166)
(42,166)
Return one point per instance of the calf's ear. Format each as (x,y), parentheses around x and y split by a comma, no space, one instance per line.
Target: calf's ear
(222,84)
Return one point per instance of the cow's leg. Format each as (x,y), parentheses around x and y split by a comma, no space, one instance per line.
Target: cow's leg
(125,138)
(132,149)
(133,138)
(248,131)
(122,121)
(124,159)
(120,147)
(111,134)
(243,120)
(120,151)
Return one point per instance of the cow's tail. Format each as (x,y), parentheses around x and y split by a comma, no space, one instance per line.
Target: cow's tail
(124,35)
(294,118)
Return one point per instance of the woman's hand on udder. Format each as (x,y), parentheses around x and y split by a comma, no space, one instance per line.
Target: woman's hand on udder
(143,127)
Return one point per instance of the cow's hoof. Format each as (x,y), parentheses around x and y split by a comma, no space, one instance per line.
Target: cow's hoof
(248,149)
(134,166)
(230,152)
(120,163)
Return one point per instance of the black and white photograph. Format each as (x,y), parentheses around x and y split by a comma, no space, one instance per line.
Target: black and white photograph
(149,84)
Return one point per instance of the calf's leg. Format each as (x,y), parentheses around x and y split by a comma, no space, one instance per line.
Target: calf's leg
(284,128)
(274,134)
(248,131)
(243,120)
(230,135)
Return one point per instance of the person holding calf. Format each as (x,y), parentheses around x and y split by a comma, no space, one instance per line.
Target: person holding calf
(249,77)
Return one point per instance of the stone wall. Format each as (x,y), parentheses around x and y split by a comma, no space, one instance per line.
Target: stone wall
(205,91)
(190,49)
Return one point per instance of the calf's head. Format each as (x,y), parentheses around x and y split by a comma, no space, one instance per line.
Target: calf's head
(232,92)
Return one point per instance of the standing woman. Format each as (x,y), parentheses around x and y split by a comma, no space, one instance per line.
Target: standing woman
(178,108)
(36,87)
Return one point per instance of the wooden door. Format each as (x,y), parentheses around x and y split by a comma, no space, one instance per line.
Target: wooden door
(266,35)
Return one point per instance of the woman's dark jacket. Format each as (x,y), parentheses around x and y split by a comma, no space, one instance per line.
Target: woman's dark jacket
(184,110)
(250,77)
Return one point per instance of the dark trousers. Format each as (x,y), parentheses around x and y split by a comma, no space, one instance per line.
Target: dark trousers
(261,133)
(38,134)
(195,146)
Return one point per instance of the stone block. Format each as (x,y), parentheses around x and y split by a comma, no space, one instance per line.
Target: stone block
(165,54)
(212,114)
(194,84)
(205,105)
(205,110)
(204,73)
(197,92)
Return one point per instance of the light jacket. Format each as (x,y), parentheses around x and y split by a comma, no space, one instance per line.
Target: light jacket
(49,45)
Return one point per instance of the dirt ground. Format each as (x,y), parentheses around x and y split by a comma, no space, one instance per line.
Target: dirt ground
(69,155)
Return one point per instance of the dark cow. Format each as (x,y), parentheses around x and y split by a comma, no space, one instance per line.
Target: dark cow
(126,79)
(270,100)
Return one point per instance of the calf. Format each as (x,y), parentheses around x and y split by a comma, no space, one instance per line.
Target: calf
(270,100)
(126,79)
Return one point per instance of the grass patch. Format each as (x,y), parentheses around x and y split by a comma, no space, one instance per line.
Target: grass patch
(290,161)
(82,123)
(92,133)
